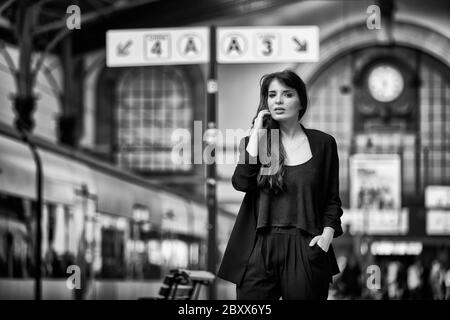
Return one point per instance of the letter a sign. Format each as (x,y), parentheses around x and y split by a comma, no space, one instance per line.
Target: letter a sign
(268,45)
(234,45)
(142,47)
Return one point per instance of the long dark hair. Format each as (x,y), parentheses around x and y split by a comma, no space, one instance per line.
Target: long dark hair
(274,182)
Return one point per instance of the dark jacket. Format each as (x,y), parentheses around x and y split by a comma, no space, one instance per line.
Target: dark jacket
(243,236)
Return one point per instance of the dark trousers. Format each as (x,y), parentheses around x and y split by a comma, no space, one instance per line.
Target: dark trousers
(282,264)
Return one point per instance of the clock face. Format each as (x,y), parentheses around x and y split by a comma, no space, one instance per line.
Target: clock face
(385,83)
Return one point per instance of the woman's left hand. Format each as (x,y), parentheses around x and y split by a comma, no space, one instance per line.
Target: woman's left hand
(323,240)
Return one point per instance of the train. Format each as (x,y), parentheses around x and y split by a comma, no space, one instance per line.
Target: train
(123,232)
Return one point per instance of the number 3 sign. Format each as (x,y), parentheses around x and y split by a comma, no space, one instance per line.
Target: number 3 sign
(267,44)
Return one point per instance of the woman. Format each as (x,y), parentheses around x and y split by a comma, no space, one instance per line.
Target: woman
(280,245)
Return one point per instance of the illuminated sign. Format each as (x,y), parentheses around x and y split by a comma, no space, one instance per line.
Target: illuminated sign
(144,47)
(396,248)
(141,213)
(268,44)
(437,202)
(164,46)
(438,222)
(437,197)
(373,222)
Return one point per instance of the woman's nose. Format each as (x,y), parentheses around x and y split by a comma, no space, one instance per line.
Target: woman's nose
(278,100)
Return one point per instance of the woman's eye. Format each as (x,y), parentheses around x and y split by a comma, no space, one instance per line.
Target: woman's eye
(272,95)
(289,95)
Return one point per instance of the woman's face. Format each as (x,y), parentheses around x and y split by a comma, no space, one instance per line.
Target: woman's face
(283,101)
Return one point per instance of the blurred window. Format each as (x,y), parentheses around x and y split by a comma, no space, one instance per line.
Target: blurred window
(16,230)
(331,110)
(18,233)
(434,98)
(57,235)
(143,246)
(110,252)
(152,103)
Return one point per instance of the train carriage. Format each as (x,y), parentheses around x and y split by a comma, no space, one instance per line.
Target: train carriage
(124,232)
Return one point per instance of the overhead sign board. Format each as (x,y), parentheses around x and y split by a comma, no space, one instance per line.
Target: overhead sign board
(144,47)
(268,44)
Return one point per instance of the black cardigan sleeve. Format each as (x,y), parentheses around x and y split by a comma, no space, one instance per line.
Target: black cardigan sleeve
(333,208)
(247,169)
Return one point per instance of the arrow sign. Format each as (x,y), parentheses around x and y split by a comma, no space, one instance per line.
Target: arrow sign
(301,45)
(143,47)
(122,50)
(147,47)
(268,44)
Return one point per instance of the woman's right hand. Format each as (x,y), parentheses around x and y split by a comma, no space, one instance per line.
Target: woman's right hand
(252,147)
(258,124)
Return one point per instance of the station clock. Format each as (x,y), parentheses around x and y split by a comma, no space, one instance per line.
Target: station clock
(385,82)
(385,92)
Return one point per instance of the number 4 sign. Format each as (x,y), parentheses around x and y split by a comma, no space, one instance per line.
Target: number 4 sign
(157,46)
(141,47)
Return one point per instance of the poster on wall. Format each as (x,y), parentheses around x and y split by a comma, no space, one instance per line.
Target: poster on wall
(375,181)
(375,195)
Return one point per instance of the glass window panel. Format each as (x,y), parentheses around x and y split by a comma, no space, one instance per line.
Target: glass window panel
(434,123)
(154,101)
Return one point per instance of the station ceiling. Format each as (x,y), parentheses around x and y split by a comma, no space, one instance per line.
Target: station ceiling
(98,16)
